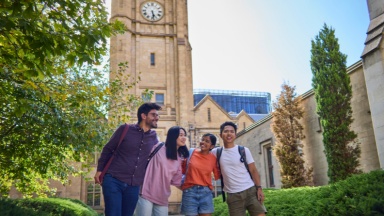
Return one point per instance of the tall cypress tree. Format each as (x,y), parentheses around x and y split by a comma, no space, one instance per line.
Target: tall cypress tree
(289,133)
(333,93)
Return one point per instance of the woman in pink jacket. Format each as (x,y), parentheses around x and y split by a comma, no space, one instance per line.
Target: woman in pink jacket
(163,170)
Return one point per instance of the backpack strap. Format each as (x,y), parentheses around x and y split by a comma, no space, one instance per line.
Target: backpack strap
(105,169)
(158,147)
(243,159)
(218,155)
(191,150)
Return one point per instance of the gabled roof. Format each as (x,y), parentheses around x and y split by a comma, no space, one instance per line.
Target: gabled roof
(243,113)
(208,97)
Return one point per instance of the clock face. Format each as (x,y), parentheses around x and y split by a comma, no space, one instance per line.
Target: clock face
(152,11)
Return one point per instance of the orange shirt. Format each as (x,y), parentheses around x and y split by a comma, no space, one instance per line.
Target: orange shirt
(200,169)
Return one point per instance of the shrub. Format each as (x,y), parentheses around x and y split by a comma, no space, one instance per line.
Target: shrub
(360,194)
(45,207)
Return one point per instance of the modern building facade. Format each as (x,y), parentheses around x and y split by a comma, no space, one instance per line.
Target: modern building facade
(233,101)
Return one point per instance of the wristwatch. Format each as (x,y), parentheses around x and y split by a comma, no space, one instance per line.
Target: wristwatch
(258,186)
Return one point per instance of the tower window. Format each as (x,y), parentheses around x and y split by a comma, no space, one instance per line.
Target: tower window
(160,99)
(152,58)
(209,114)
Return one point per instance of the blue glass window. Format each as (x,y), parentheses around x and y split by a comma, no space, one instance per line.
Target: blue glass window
(160,99)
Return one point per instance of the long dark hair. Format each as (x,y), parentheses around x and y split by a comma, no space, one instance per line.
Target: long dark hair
(171,145)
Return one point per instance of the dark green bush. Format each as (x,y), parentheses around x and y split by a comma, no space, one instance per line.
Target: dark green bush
(220,206)
(358,195)
(45,207)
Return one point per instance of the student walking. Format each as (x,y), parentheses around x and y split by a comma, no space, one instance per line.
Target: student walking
(125,173)
(197,188)
(164,170)
(241,184)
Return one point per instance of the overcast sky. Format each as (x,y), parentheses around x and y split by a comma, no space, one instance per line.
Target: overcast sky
(256,45)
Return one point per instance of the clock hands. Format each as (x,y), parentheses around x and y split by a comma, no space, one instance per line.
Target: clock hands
(152,11)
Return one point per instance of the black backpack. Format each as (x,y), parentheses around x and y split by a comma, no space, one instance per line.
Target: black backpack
(243,159)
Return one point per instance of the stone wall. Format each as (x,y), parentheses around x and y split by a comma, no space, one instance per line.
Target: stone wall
(259,135)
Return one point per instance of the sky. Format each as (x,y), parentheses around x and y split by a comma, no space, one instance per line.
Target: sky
(257,45)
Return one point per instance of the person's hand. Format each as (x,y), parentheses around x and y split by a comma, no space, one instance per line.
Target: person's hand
(260,195)
(97,177)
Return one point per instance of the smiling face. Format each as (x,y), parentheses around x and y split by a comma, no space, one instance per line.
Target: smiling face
(228,135)
(206,144)
(151,119)
(180,141)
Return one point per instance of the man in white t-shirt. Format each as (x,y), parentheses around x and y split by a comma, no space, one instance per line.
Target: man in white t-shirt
(243,192)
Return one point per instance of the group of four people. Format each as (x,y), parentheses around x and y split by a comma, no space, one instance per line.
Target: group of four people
(132,181)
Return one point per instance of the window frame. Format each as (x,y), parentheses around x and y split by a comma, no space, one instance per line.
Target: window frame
(93,194)
(160,102)
(152,59)
(209,114)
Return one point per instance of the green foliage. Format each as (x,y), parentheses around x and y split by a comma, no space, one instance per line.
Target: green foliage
(333,93)
(45,207)
(289,133)
(360,194)
(40,38)
(357,195)
(63,119)
(221,207)
(54,95)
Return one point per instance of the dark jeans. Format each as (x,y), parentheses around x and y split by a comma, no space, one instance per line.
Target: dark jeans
(119,198)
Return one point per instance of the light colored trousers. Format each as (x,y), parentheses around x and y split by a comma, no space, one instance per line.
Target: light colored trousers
(147,208)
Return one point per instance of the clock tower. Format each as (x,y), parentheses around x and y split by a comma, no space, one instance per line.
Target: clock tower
(156,46)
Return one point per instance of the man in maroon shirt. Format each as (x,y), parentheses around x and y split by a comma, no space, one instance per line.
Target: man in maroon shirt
(125,175)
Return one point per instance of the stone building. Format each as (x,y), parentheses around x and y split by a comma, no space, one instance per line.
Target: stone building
(157,48)
(260,139)
(367,78)
(167,39)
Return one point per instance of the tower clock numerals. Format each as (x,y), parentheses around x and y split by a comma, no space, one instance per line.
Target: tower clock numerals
(152,11)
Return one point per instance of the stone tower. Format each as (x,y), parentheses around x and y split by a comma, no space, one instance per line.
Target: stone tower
(156,46)
(373,63)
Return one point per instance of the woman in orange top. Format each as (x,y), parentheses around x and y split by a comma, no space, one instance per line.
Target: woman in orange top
(197,187)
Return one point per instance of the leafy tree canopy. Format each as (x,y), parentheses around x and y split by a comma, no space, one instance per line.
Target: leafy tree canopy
(40,38)
(53,100)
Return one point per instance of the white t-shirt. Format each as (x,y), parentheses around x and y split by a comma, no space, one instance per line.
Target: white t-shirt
(235,175)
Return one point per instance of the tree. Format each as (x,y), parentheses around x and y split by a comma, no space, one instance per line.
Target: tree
(54,98)
(333,94)
(40,38)
(289,133)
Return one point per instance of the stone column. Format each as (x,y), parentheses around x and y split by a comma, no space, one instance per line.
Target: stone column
(373,64)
